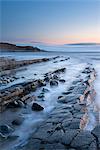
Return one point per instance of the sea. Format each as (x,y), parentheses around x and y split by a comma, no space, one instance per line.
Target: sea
(79,56)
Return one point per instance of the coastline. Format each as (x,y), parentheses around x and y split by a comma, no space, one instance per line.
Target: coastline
(15,48)
(68,114)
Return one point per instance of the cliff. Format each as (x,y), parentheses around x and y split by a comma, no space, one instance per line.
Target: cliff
(13,47)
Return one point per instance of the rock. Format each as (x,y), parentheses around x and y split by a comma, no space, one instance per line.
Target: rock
(59,97)
(62,60)
(83,140)
(45,90)
(41,95)
(2,137)
(60,70)
(53,83)
(96,131)
(23,77)
(16,104)
(78,107)
(93,146)
(66,123)
(33,144)
(71,88)
(55,146)
(87,70)
(55,61)
(55,77)
(43,132)
(68,136)
(62,80)
(20,103)
(37,107)
(80,89)
(5,129)
(46,79)
(15,77)
(25,98)
(76,82)
(75,124)
(33,88)
(67,58)
(41,83)
(66,93)
(18,121)
(61,115)
(62,99)
(56,136)
(68,99)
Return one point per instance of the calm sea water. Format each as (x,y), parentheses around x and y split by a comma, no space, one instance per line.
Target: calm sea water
(87,52)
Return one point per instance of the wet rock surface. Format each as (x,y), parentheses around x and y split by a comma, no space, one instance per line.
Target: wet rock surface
(36,107)
(64,127)
(5,129)
(7,64)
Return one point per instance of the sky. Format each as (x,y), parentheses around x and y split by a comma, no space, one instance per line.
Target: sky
(50,21)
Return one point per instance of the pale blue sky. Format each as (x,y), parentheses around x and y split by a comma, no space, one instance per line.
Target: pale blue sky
(55,21)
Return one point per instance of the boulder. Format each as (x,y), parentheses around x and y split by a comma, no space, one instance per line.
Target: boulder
(55,77)
(59,97)
(60,70)
(66,93)
(68,99)
(62,80)
(16,104)
(62,60)
(41,95)
(46,79)
(5,129)
(45,90)
(36,107)
(2,137)
(33,88)
(18,121)
(55,61)
(41,83)
(53,83)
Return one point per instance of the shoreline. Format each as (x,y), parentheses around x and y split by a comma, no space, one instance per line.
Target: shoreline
(65,124)
(13,47)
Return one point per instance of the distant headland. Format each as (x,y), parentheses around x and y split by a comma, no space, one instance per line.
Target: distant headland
(13,47)
(83,44)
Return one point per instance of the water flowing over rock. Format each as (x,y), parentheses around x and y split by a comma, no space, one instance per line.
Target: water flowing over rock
(63,124)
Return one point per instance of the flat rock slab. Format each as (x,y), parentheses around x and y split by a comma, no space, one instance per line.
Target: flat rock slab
(68,136)
(96,133)
(83,140)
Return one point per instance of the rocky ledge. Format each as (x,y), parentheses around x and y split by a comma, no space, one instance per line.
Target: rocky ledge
(8,64)
(13,47)
(64,127)
(19,93)
(9,67)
